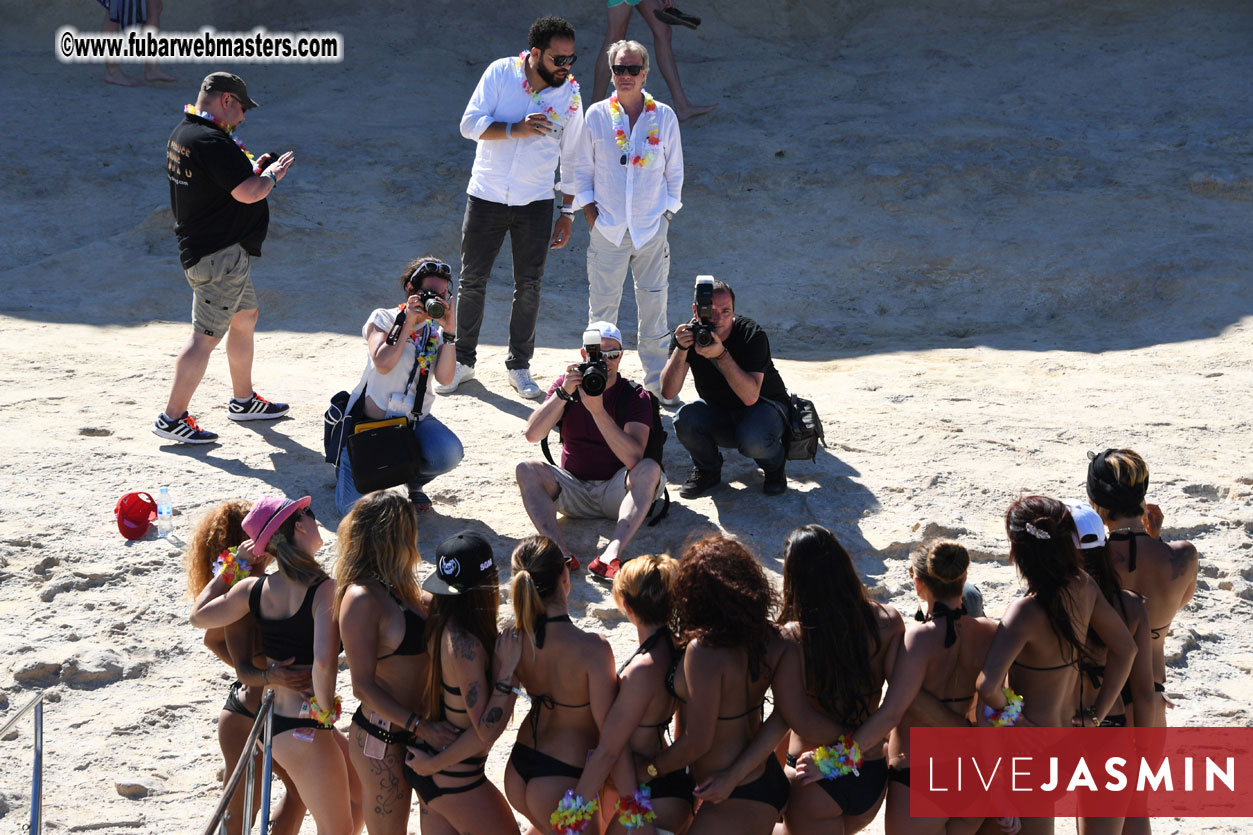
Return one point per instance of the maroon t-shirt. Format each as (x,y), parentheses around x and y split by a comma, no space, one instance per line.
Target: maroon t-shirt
(584,452)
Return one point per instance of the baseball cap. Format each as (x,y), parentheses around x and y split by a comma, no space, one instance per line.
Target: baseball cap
(461,563)
(135,512)
(608,330)
(1089,526)
(225,82)
(268,515)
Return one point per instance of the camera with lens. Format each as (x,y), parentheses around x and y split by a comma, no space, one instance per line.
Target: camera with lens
(433,303)
(595,371)
(702,325)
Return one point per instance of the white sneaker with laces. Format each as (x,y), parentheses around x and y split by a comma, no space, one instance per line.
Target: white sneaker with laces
(463,374)
(520,379)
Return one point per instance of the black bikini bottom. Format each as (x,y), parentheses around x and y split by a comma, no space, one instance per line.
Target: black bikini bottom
(856,793)
(234,704)
(675,784)
(530,763)
(770,788)
(426,787)
(900,775)
(1119,721)
(283,724)
(390,737)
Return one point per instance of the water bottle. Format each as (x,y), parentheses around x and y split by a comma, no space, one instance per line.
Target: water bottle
(165,512)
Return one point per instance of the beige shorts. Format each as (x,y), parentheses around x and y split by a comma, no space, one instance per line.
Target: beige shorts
(222,286)
(580,499)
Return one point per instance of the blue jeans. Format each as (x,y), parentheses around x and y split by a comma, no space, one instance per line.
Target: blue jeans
(756,431)
(440,450)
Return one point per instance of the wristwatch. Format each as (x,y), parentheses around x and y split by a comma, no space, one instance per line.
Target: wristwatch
(449,338)
(562,394)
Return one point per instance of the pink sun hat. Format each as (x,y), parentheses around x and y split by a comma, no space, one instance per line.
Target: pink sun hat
(268,515)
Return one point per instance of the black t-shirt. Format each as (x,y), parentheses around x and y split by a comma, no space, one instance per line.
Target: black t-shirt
(204,166)
(750,348)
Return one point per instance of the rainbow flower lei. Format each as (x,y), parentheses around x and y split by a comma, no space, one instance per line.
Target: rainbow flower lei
(209,117)
(1007,716)
(325,717)
(231,568)
(572,814)
(623,138)
(553,115)
(839,759)
(636,810)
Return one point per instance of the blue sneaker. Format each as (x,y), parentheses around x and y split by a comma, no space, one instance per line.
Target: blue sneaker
(184,430)
(256,408)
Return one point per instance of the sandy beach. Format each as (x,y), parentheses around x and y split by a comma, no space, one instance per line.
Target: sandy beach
(983,240)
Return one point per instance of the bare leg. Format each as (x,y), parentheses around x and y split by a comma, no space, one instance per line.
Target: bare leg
(154,71)
(189,371)
(664,54)
(385,796)
(113,71)
(619,16)
(539,494)
(239,352)
(642,483)
(322,773)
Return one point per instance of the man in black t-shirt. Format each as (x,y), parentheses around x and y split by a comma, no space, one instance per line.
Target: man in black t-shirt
(742,398)
(218,195)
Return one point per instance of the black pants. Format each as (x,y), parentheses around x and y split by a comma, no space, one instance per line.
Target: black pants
(483,231)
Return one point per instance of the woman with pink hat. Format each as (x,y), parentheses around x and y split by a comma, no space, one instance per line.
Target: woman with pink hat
(293,611)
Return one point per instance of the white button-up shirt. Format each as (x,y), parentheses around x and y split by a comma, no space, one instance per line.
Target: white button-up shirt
(630,197)
(520,171)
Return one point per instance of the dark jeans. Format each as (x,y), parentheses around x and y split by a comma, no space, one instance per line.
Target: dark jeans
(756,431)
(483,229)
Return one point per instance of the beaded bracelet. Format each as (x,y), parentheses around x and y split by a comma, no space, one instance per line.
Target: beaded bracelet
(1007,716)
(572,814)
(325,717)
(230,567)
(839,759)
(636,809)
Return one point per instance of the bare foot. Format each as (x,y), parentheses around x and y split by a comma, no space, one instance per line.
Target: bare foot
(114,75)
(156,73)
(694,111)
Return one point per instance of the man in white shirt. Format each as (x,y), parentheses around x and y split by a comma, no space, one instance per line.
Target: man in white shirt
(629,180)
(525,115)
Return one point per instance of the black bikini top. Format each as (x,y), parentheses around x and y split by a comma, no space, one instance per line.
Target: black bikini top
(939,610)
(415,625)
(676,661)
(646,647)
(1130,538)
(290,637)
(541,628)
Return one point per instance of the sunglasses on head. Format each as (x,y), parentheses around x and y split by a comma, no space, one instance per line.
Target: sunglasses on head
(624,69)
(562,60)
(430,268)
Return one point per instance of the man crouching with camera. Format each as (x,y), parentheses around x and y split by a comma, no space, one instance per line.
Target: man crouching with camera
(742,396)
(604,474)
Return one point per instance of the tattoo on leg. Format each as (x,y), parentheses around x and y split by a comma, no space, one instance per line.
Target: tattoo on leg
(472,695)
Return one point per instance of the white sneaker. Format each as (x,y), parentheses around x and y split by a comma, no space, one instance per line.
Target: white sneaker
(668,402)
(520,379)
(464,373)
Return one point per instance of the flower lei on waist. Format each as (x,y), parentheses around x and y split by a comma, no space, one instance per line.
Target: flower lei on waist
(191,110)
(325,717)
(839,759)
(553,116)
(1007,716)
(572,814)
(623,137)
(230,567)
(636,809)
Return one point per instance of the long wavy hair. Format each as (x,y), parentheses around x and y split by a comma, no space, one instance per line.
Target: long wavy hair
(217,530)
(1099,567)
(822,593)
(537,568)
(295,564)
(722,597)
(1041,544)
(473,612)
(378,540)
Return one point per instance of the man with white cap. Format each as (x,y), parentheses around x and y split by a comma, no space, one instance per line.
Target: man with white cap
(606,470)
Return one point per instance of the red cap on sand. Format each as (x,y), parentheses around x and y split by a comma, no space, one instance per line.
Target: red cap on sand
(135,513)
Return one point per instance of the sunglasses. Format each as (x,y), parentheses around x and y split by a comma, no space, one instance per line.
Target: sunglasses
(431,268)
(611,355)
(309,512)
(562,60)
(624,69)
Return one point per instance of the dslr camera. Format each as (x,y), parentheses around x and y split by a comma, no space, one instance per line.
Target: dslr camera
(595,371)
(702,325)
(433,303)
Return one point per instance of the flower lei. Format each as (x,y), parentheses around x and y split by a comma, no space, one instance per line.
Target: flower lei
(553,115)
(623,138)
(839,759)
(636,809)
(191,110)
(325,717)
(572,814)
(1007,716)
(425,355)
(230,567)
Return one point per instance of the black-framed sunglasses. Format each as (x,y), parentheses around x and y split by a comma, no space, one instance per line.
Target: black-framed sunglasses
(308,511)
(562,60)
(430,268)
(625,69)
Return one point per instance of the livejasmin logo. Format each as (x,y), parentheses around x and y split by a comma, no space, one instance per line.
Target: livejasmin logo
(1084,772)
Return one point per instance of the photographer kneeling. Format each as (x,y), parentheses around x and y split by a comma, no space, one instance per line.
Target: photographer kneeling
(406,345)
(604,473)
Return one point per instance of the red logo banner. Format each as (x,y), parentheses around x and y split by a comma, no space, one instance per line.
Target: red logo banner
(1081,772)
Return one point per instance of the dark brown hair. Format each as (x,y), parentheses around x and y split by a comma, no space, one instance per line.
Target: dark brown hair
(941,565)
(537,567)
(1042,546)
(474,612)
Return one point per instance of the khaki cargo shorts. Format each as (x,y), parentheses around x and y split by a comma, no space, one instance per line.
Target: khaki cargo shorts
(580,499)
(222,286)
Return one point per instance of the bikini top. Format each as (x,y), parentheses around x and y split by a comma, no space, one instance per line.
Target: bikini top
(545,700)
(939,610)
(677,661)
(415,625)
(646,647)
(1130,538)
(290,637)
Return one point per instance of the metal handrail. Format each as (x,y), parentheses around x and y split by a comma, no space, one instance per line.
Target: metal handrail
(265,714)
(36,783)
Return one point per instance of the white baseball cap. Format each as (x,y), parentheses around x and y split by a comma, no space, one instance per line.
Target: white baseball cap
(608,330)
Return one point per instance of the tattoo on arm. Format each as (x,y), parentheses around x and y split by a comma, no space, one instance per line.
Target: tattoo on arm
(463,645)
(492,716)
(472,695)
(1180,561)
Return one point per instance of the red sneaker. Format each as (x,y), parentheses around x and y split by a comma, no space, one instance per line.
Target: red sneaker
(607,570)
(572,562)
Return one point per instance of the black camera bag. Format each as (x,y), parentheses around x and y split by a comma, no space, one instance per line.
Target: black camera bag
(804,430)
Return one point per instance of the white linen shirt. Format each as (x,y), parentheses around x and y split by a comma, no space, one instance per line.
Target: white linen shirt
(629,197)
(516,172)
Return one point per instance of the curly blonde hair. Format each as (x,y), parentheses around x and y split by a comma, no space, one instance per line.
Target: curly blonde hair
(217,530)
